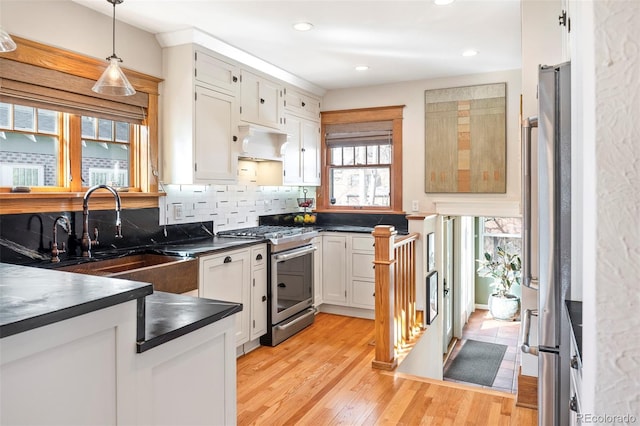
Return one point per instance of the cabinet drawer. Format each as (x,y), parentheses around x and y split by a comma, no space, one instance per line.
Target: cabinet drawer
(363,243)
(362,265)
(363,294)
(258,256)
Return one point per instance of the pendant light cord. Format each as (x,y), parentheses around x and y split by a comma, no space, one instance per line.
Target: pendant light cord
(113,31)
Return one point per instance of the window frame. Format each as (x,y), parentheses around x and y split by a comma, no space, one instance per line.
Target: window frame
(363,115)
(80,72)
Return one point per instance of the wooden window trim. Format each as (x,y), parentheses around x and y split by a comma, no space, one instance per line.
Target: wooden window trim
(36,54)
(363,115)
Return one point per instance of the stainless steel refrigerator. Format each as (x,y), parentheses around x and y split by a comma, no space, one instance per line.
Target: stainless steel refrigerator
(547,238)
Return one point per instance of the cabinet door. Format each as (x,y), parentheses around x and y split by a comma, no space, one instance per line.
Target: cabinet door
(258,291)
(317,271)
(334,273)
(301,162)
(215,72)
(310,131)
(302,104)
(258,303)
(260,100)
(226,277)
(215,158)
(292,162)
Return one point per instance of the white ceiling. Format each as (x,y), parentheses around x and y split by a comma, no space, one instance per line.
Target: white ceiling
(398,40)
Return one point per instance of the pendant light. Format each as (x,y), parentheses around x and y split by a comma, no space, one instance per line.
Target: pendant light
(6,42)
(113,81)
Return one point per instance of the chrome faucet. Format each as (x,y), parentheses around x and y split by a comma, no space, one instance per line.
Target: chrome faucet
(54,244)
(86,242)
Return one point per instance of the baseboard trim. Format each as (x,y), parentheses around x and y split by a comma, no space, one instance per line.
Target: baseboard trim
(483,307)
(527,391)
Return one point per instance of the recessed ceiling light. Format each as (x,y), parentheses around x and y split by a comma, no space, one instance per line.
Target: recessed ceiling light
(302,26)
(362,67)
(443,2)
(470,52)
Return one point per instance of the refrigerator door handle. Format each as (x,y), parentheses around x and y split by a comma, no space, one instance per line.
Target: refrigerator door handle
(526,330)
(527,125)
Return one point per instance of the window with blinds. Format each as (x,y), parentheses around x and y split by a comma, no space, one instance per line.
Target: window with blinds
(360,163)
(361,160)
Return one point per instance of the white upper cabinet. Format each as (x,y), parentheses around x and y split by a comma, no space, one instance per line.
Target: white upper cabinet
(301,164)
(261,100)
(301,104)
(199,99)
(219,74)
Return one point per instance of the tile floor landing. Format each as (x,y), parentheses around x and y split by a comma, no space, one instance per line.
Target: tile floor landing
(484,328)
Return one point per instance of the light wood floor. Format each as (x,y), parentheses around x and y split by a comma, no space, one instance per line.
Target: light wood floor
(323,376)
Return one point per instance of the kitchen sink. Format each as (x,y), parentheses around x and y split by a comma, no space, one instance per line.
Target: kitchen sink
(167,273)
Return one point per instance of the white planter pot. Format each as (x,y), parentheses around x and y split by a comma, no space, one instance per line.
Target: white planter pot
(504,308)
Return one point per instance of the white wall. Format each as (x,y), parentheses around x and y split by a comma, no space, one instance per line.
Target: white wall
(66,25)
(411,94)
(611,290)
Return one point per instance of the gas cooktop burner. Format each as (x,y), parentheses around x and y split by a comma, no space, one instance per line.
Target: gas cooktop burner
(275,234)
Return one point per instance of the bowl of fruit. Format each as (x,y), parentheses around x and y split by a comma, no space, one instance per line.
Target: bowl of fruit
(305,202)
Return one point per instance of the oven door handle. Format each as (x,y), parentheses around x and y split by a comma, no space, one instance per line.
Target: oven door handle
(295,253)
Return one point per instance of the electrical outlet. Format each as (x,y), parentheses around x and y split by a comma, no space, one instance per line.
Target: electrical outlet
(177,211)
(415,205)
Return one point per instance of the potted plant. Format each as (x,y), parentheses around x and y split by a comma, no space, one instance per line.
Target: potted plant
(505,269)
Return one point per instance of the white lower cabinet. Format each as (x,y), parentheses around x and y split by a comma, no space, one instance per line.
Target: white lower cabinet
(227,276)
(239,276)
(258,291)
(348,276)
(85,371)
(317,272)
(334,268)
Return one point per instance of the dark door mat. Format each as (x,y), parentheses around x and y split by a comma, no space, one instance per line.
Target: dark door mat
(477,362)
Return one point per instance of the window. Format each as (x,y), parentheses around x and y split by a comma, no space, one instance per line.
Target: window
(105,152)
(501,232)
(360,168)
(30,149)
(29,146)
(362,160)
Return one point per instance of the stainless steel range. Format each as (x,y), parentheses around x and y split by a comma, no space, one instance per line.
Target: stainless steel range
(290,278)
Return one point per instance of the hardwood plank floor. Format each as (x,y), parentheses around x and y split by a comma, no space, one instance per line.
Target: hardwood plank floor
(323,376)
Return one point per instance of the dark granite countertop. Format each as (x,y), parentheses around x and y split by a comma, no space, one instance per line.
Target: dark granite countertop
(574,309)
(33,297)
(170,316)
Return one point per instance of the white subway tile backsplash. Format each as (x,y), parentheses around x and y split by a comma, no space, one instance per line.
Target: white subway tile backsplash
(229,206)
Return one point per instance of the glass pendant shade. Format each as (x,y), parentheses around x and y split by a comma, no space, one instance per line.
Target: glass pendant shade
(6,42)
(113,81)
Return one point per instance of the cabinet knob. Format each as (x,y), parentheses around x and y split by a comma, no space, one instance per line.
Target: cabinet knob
(264,298)
(261,100)
(259,256)
(282,285)
(304,105)
(235,79)
(227,259)
(235,139)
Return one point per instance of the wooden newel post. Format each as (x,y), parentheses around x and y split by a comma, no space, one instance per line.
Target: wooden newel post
(384,264)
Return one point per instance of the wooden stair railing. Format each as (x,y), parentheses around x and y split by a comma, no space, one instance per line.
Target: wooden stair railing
(395,294)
